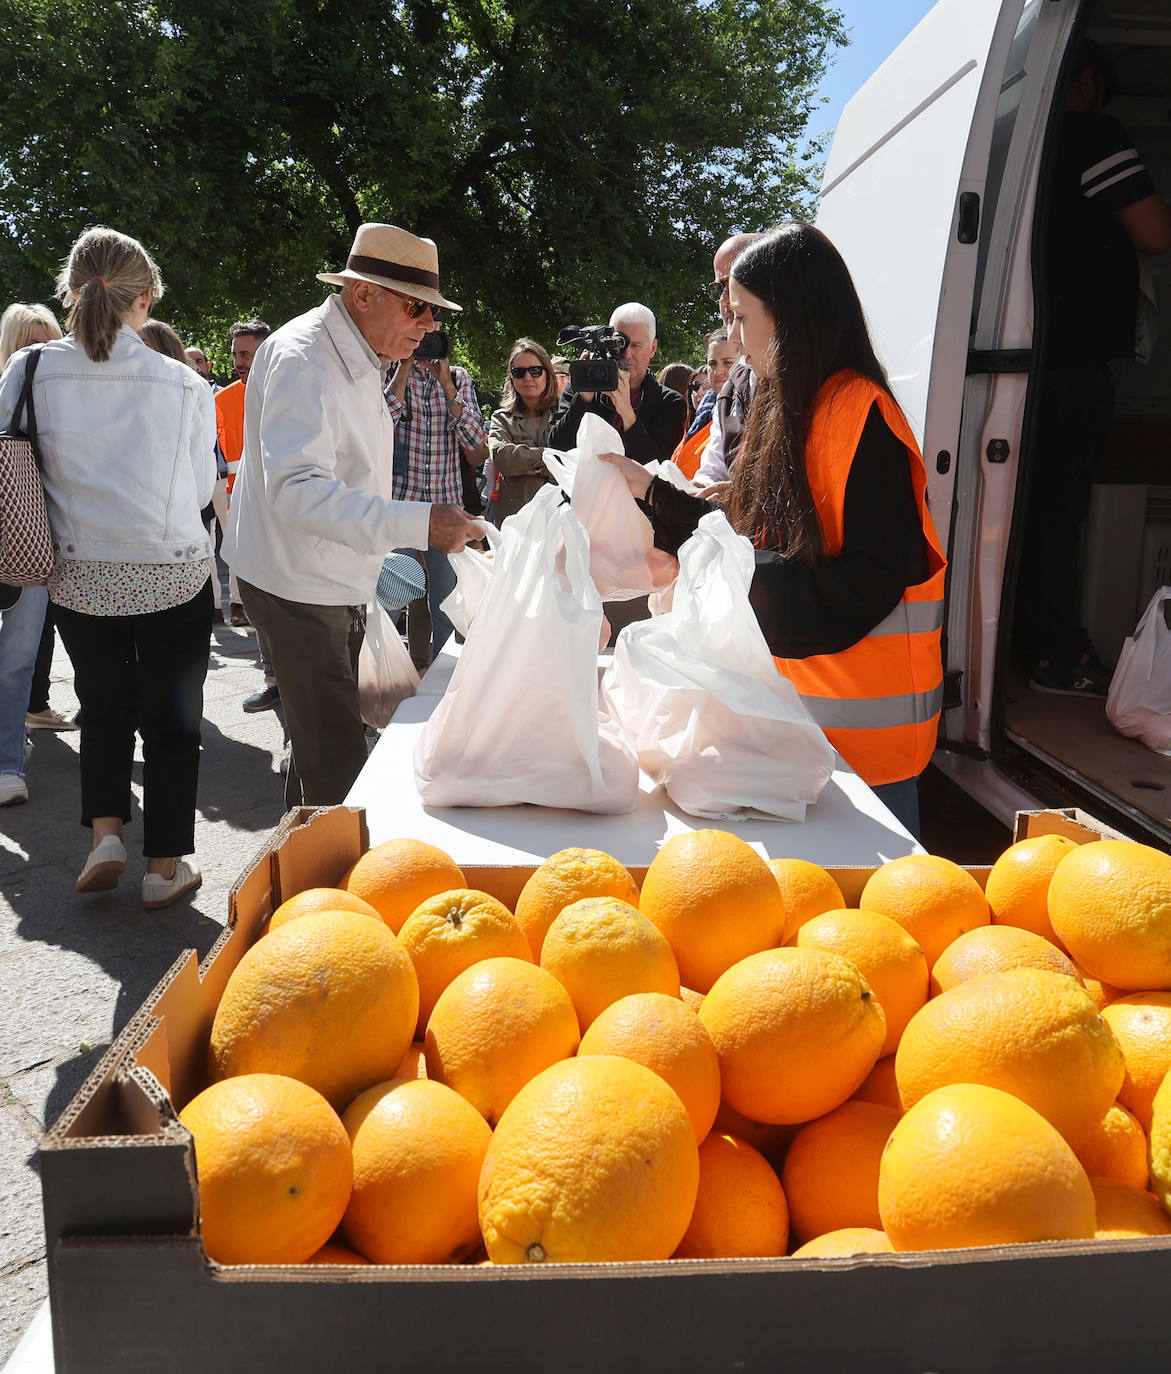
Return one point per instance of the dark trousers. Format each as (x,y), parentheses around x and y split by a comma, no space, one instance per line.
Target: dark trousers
(144,674)
(1077,407)
(315,657)
(38,696)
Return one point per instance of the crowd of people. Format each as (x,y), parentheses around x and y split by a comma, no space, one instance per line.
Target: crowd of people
(348,433)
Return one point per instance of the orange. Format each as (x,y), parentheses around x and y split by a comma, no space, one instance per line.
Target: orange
(566,877)
(807,890)
(1026,1031)
(330,999)
(933,899)
(851,1240)
(830,1176)
(593,1160)
(1110,905)
(496,1025)
(452,931)
(971,1165)
(797,1030)
(667,1036)
(273,1163)
(880,1085)
(716,901)
(1116,1148)
(991,949)
(1160,1149)
(740,1209)
(333,1253)
(1018,883)
(414,1062)
(600,949)
(1124,1210)
(418,1149)
(1141,1022)
(771,1140)
(318,899)
(1102,993)
(397,875)
(887,957)
(693,999)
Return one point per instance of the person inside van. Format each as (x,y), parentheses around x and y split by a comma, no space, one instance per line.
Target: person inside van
(1104,211)
(831,488)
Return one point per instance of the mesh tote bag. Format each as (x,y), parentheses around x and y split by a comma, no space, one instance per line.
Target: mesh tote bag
(26,551)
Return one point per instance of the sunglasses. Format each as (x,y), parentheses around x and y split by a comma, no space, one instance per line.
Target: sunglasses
(416,308)
(535,371)
(695,386)
(716,289)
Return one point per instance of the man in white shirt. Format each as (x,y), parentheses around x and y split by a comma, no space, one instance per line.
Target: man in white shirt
(312,515)
(732,404)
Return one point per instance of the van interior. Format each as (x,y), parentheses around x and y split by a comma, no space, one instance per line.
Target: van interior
(1126,549)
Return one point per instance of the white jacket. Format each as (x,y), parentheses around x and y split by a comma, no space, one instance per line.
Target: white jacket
(128,450)
(311,517)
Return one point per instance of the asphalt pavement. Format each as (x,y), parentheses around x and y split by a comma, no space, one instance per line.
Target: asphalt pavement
(76,968)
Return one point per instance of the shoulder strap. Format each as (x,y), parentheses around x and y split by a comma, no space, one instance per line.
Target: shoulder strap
(25,406)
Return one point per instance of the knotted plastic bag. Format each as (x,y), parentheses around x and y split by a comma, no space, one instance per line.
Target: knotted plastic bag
(1139,701)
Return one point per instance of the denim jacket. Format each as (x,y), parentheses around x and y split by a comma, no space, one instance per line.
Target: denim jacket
(127,448)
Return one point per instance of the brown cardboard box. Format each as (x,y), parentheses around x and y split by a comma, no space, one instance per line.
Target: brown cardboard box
(131,1288)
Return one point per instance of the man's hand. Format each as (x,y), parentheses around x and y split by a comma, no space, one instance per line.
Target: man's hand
(620,399)
(440,369)
(450,528)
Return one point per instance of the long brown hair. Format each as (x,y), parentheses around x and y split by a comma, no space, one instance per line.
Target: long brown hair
(101,279)
(509,400)
(819,330)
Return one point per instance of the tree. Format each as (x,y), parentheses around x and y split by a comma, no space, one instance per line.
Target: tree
(565,159)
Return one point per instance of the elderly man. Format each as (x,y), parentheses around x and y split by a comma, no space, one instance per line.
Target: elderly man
(734,397)
(312,516)
(198,360)
(652,418)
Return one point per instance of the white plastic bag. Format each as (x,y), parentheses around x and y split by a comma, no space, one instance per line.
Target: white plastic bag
(472,570)
(519,721)
(1139,702)
(386,675)
(698,694)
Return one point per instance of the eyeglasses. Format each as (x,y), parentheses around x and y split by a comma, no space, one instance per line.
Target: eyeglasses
(716,289)
(416,308)
(535,371)
(695,386)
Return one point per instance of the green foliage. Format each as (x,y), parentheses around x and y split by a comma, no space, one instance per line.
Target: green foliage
(565,158)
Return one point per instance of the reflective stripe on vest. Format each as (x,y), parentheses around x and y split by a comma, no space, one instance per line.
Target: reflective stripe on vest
(874,713)
(911,618)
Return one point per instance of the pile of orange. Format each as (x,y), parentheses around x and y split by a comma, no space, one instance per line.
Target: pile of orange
(726,1061)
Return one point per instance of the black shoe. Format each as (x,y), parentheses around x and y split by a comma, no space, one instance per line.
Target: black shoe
(1087,678)
(264,700)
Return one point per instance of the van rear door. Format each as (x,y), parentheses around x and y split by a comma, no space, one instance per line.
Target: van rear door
(902,197)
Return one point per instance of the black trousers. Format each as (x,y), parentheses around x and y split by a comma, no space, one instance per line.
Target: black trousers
(315,657)
(142,674)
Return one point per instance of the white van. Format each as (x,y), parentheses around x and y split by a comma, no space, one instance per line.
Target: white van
(932,191)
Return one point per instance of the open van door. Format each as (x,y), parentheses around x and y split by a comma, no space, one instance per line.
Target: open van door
(902,199)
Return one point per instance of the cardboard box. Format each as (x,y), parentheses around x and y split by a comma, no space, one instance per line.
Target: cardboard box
(132,1289)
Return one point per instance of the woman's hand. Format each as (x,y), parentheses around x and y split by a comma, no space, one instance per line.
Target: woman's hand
(717,492)
(637,477)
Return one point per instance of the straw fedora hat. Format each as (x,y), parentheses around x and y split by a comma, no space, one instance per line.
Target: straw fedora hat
(389,256)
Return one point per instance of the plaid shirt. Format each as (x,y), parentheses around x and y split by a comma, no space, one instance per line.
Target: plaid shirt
(427,440)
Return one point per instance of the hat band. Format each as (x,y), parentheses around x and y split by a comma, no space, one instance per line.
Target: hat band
(380,267)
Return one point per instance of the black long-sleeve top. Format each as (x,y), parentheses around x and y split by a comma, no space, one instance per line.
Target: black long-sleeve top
(659,423)
(829,605)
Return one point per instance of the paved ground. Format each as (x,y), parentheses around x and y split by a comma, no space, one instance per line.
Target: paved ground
(75,968)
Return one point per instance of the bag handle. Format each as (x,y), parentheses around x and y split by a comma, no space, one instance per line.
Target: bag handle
(24,403)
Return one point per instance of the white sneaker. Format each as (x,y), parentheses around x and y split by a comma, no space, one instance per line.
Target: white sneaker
(48,720)
(104,865)
(158,891)
(13,789)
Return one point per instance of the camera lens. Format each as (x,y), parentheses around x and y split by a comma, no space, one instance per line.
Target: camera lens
(599,373)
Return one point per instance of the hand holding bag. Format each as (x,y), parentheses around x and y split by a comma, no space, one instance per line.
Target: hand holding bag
(26,549)
(699,696)
(1139,701)
(386,675)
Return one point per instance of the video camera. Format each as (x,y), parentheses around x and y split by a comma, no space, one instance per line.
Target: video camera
(603,346)
(434,346)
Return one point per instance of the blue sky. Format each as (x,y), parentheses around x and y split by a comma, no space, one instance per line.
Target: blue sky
(876,27)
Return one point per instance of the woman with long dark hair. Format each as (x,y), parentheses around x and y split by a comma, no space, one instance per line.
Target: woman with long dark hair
(126,439)
(518,430)
(830,487)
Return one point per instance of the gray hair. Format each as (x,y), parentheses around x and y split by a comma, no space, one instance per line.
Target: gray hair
(633,313)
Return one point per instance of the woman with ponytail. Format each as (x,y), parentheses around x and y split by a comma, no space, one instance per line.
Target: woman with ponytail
(830,487)
(126,438)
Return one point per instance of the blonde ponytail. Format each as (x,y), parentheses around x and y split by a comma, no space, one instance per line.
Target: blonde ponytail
(101,279)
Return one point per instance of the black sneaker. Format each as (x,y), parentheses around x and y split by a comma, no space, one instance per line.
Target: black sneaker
(264,700)
(1087,678)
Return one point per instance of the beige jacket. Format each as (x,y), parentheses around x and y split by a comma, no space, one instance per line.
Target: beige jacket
(515,444)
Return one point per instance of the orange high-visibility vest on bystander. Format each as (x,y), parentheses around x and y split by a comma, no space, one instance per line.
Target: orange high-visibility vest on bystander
(229,423)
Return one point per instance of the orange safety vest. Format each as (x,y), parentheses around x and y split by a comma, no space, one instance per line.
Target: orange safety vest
(229,424)
(689,454)
(879,700)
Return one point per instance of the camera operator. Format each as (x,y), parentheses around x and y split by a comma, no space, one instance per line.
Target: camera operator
(436,417)
(651,417)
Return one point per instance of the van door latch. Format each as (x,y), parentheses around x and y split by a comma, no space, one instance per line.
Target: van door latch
(997,450)
(968,225)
